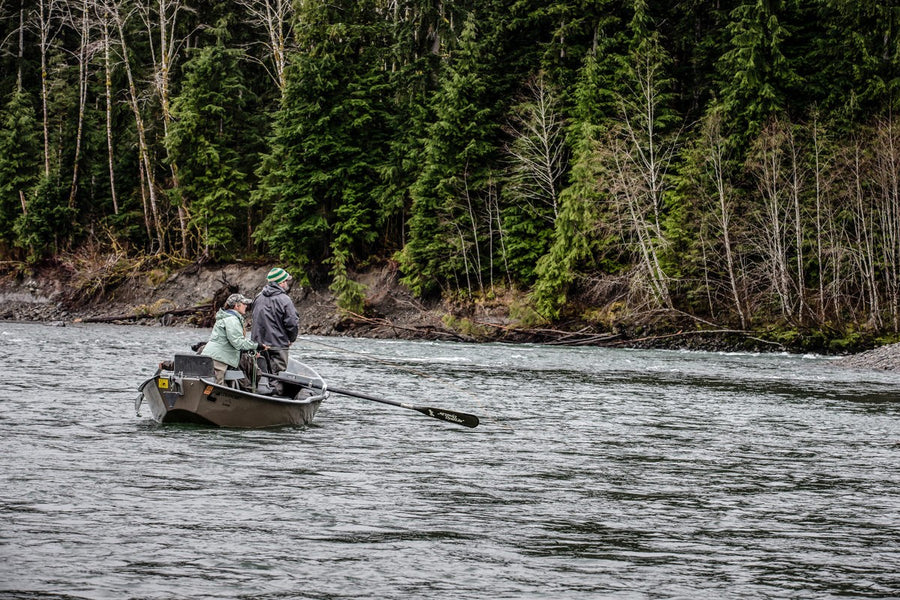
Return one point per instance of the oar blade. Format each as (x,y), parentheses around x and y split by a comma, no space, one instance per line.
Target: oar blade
(451,416)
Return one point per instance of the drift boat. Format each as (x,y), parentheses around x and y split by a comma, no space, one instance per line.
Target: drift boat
(188,393)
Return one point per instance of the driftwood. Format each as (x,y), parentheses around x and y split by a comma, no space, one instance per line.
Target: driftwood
(424,330)
(139,316)
(555,337)
(748,334)
(586,336)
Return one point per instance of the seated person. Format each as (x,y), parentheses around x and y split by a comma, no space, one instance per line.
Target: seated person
(227,338)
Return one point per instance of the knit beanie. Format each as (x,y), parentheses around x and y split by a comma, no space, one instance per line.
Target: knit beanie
(277,275)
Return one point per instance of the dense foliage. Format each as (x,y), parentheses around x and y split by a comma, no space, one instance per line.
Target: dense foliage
(738,161)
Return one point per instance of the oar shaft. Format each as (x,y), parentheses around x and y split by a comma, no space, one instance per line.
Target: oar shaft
(451,416)
(368,397)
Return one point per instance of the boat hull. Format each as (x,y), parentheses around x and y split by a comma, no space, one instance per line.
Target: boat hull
(198,400)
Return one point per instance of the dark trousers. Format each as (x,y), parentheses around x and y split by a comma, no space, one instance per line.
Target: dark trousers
(272,361)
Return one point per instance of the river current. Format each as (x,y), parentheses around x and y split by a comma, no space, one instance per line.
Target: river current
(595,473)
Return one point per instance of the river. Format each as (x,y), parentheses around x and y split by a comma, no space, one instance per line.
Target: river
(595,473)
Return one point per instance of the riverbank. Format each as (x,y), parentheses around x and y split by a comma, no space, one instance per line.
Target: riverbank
(188,296)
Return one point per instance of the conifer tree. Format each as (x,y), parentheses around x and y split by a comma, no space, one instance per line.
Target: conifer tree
(758,74)
(20,159)
(48,221)
(444,236)
(854,59)
(202,141)
(577,240)
(320,182)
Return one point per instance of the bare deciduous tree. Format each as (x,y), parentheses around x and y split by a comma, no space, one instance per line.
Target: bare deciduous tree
(77,17)
(538,151)
(640,156)
(886,154)
(715,154)
(151,205)
(767,164)
(47,22)
(104,20)
(164,22)
(275,17)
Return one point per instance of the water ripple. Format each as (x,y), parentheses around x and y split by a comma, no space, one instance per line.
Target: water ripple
(595,473)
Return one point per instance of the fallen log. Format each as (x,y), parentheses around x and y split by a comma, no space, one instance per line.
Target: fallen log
(148,315)
(424,330)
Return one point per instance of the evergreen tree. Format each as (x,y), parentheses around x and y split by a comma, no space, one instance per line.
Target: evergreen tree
(854,61)
(757,75)
(577,241)
(203,147)
(20,160)
(320,182)
(48,221)
(444,247)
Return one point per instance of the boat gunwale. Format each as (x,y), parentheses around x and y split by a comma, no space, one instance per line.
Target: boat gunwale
(277,399)
(273,399)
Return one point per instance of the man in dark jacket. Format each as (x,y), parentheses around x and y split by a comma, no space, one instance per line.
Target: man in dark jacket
(275,321)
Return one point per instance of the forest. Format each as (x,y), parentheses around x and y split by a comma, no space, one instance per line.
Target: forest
(735,161)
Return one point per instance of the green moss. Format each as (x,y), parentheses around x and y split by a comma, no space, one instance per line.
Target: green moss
(466,327)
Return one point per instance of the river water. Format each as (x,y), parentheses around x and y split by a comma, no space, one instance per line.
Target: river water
(594,473)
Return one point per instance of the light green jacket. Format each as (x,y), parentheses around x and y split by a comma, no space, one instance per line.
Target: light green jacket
(227,338)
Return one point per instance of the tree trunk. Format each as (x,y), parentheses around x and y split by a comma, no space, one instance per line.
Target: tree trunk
(109,133)
(796,185)
(82,98)
(45,15)
(275,17)
(142,138)
(716,161)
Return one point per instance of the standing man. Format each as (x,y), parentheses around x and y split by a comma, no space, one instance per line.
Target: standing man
(275,321)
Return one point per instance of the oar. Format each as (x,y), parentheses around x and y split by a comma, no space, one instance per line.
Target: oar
(451,416)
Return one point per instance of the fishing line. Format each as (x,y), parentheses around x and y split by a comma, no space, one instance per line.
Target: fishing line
(423,374)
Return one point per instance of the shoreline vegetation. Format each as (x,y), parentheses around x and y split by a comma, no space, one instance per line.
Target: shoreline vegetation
(643,174)
(152,293)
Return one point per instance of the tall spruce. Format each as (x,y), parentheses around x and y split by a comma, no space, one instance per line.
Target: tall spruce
(20,160)
(45,228)
(758,75)
(855,59)
(578,244)
(446,231)
(203,142)
(320,182)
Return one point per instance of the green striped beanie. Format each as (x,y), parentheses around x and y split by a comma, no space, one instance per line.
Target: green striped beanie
(277,275)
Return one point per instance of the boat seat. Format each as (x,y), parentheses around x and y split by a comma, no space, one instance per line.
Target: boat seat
(193,365)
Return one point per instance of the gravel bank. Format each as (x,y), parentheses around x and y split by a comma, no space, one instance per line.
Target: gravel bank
(885,358)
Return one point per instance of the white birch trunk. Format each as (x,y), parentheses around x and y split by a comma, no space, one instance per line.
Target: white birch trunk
(142,137)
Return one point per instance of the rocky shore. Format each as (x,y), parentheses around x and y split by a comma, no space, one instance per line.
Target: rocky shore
(189,296)
(885,358)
